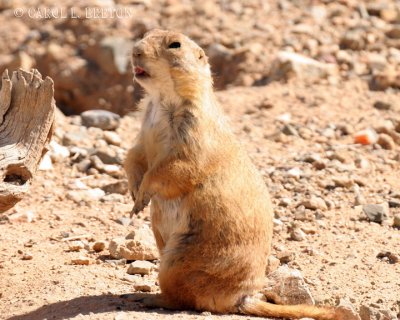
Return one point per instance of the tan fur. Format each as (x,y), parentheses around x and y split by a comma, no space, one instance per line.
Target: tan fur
(210,209)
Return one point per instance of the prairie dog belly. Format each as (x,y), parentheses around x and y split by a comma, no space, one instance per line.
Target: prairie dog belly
(168,217)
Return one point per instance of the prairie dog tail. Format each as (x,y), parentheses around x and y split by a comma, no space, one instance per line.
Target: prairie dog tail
(255,307)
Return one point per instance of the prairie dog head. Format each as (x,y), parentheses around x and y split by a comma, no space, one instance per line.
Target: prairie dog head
(168,63)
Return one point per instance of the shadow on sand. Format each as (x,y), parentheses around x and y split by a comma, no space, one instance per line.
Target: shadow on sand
(86,305)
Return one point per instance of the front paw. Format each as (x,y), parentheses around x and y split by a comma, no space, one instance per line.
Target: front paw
(134,189)
(141,202)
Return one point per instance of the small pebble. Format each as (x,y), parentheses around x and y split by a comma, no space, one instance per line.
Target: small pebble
(343,182)
(102,119)
(396,221)
(286,256)
(315,203)
(381,105)
(84,261)
(27,256)
(125,221)
(376,212)
(76,246)
(297,234)
(389,256)
(112,138)
(141,267)
(386,141)
(144,287)
(117,262)
(99,246)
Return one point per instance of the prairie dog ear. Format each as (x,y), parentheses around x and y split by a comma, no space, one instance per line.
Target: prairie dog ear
(201,55)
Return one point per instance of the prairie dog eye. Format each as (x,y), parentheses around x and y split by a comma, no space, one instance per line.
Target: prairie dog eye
(174,45)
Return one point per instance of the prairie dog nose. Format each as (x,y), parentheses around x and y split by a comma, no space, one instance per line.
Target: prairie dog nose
(137,51)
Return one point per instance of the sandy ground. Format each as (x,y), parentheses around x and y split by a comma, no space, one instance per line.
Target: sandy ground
(338,256)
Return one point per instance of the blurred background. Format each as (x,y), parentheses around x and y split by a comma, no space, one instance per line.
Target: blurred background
(84,45)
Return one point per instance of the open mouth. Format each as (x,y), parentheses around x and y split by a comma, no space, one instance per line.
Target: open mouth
(140,72)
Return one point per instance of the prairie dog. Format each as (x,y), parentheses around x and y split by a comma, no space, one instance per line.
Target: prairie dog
(210,209)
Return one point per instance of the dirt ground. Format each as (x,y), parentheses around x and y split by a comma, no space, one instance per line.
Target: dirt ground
(338,256)
(298,124)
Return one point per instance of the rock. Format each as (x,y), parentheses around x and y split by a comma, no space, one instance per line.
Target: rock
(375,8)
(99,246)
(74,138)
(315,203)
(225,62)
(94,194)
(142,247)
(286,256)
(396,221)
(394,32)
(144,287)
(287,286)
(108,155)
(376,61)
(273,264)
(26,216)
(119,187)
(369,313)
(390,131)
(112,137)
(284,117)
(353,40)
(75,246)
(111,54)
(46,163)
(289,130)
(119,262)
(385,79)
(386,141)
(359,200)
(295,172)
(27,256)
(97,163)
(382,105)
(125,221)
(297,234)
(389,15)
(289,64)
(57,151)
(77,184)
(388,256)
(102,119)
(346,310)
(78,154)
(85,195)
(140,267)
(84,165)
(285,202)
(376,212)
(113,197)
(367,136)
(83,261)
(112,169)
(343,182)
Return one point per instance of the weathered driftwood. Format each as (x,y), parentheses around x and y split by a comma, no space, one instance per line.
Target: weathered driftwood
(26,123)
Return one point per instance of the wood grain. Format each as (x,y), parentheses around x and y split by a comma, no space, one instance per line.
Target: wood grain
(27,110)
